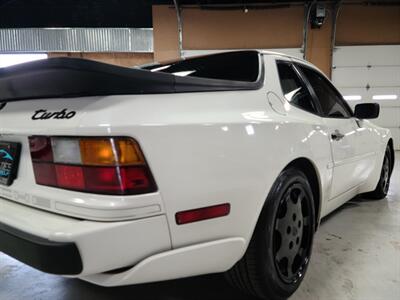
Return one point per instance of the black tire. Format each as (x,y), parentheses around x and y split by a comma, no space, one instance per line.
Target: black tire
(285,227)
(382,187)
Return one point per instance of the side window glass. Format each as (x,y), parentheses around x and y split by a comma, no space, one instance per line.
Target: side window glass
(331,102)
(293,88)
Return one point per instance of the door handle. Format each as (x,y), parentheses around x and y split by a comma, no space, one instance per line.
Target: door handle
(337,136)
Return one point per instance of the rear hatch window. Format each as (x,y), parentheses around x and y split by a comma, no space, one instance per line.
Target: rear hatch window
(233,66)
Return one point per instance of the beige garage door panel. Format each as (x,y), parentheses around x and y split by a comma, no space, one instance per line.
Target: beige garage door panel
(360,56)
(389,117)
(368,71)
(383,76)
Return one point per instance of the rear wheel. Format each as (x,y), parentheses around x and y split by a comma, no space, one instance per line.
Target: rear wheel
(382,187)
(279,252)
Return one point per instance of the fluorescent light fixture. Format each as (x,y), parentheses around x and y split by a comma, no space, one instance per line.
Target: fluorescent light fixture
(352,97)
(384,97)
(7,60)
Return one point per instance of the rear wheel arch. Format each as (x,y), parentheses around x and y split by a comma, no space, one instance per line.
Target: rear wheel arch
(308,168)
(254,272)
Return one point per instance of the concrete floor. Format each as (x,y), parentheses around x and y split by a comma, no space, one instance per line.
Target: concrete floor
(356,256)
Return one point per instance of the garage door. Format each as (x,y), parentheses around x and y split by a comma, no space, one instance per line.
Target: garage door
(371,74)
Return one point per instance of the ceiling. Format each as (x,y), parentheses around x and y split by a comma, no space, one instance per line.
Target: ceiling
(113,13)
(75,13)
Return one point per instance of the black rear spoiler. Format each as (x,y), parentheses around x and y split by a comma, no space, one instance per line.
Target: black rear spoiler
(72,77)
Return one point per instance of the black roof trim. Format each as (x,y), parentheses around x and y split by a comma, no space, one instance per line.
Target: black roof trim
(72,77)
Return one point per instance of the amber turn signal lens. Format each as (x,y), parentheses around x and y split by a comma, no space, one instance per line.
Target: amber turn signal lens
(129,152)
(113,151)
(97,152)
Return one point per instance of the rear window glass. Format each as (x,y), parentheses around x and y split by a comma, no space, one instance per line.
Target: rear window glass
(234,66)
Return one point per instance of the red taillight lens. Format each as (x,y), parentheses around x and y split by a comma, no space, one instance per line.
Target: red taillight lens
(203,213)
(70,177)
(117,180)
(65,163)
(45,174)
(41,148)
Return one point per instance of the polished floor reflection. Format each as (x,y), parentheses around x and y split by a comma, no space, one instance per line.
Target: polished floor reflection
(356,256)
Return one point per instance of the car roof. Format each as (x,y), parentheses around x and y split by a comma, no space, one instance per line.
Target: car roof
(294,58)
(266,52)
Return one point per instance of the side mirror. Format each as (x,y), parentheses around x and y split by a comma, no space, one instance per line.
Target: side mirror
(367,111)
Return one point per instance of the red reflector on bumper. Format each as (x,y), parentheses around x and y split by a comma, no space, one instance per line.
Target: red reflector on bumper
(204,213)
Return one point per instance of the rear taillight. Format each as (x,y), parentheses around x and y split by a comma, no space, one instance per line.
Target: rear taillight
(114,166)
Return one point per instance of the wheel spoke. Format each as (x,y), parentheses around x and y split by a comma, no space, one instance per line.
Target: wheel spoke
(299,213)
(290,266)
(281,225)
(280,254)
(300,197)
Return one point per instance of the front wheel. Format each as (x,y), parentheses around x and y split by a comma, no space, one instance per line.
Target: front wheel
(382,187)
(279,252)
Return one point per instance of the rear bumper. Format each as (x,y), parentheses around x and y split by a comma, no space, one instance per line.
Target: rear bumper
(67,246)
(88,250)
(44,255)
(204,258)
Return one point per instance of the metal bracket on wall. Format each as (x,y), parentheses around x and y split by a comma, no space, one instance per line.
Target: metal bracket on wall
(336,11)
(180,27)
(307,12)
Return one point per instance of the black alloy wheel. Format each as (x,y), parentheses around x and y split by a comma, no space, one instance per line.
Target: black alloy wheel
(385,174)
(382,187)
(293,234)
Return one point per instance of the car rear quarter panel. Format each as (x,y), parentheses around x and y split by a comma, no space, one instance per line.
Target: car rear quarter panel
(212,148)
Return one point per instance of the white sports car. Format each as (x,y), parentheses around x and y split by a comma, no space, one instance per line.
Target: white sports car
(217,163)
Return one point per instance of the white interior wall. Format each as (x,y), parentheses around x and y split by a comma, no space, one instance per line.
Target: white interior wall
(10,59)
